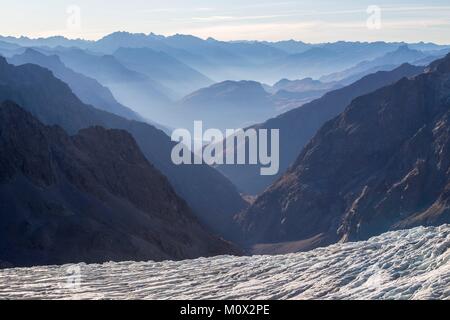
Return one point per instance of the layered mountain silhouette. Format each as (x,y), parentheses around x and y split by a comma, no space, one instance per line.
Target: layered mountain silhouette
(259,60)
(239,104)
(403,54)
(303,85)
(262,61)
(53,41)
(9,49)
(202,55)
(229,104)
(211,196)
(92,197)
(327,58)
(131,88)
(382,164)
(299,125)
(89,90)
(289,94)
(164,69)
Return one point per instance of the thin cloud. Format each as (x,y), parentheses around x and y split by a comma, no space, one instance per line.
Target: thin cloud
(239,18)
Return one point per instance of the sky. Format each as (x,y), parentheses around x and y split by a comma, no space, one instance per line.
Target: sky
(310,21)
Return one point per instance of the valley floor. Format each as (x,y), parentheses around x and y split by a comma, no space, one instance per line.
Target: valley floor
(409,264)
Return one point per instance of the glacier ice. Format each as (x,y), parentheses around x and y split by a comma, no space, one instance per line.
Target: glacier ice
(406,264)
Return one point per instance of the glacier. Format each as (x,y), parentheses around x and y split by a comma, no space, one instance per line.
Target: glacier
(405,264)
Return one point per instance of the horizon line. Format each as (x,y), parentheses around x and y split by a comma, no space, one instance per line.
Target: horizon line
(212,38)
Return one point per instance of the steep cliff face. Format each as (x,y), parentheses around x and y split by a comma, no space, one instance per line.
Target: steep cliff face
(383,164)
(92,197)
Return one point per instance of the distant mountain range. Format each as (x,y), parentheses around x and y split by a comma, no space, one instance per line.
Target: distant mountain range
(163,69)
(386,62)
(261,61)
(92,197)
(154,75)
(382,164)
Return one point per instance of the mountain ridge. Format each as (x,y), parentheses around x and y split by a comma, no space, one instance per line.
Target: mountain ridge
(345,189)
(210,195)
(92,197)
(89,90)
(299,125)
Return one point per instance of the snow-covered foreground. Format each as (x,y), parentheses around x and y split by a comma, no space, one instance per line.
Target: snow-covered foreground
(411,264)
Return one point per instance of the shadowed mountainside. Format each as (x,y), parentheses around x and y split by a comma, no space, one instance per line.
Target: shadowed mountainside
(92,197)
(89,90)
(135,89)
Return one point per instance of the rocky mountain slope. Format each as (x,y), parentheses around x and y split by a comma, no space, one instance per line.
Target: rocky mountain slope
(299,125)
(382,164)
(92,197)
(211,196)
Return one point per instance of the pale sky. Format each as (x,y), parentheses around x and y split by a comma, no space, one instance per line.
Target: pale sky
(310,21)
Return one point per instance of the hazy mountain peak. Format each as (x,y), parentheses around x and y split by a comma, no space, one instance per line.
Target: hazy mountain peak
(118,35)
(184,36)
(227,104)
(32,53)
(246,87)
(403,47)
(404,51)
(304,81)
